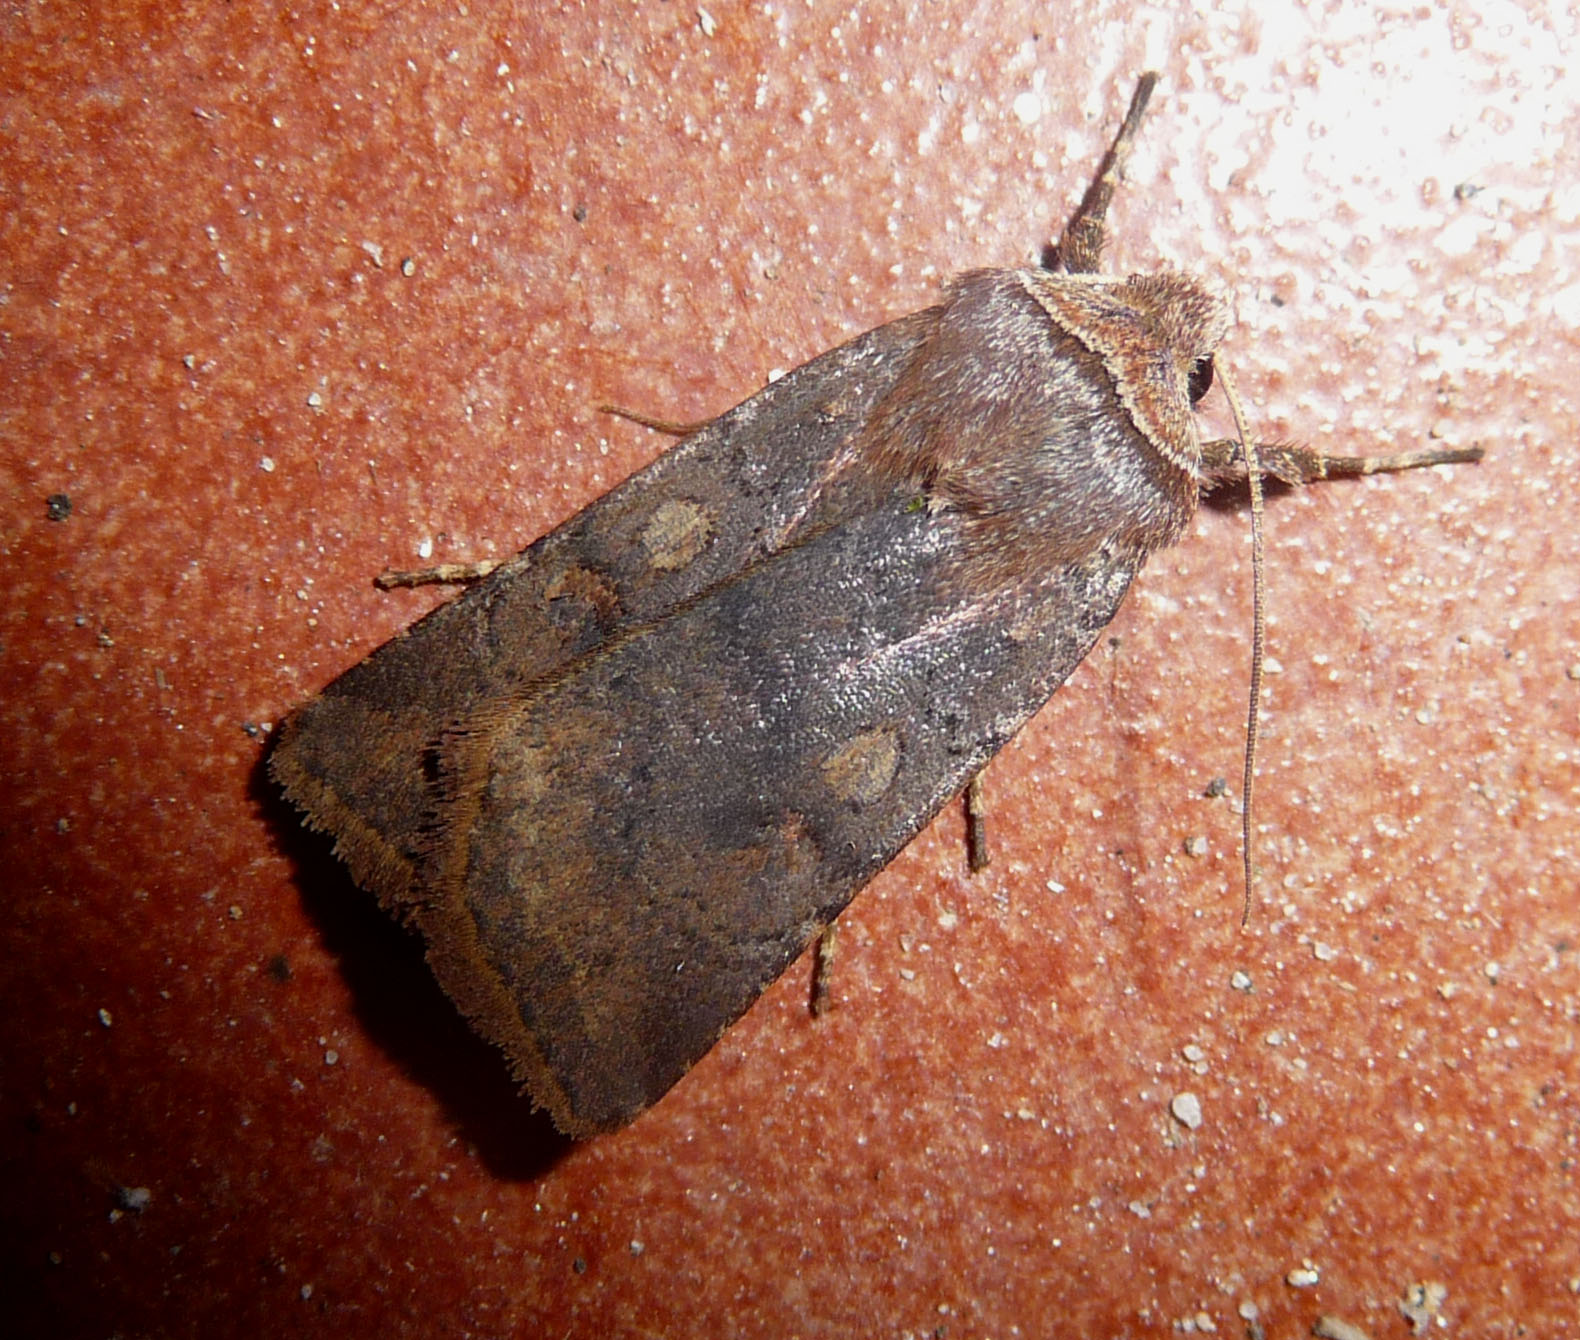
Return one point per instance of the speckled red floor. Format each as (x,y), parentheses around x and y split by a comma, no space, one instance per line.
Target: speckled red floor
(290,295)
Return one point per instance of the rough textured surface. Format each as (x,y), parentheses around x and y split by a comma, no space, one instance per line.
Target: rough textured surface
(234,1101)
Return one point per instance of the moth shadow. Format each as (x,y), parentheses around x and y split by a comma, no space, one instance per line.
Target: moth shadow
(399,1004)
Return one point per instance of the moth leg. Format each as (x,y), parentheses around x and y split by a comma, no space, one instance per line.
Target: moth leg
(823,970)
(1223,462)
(978,854)
(441,574)
(828,941)
(674,427)
(1081,243)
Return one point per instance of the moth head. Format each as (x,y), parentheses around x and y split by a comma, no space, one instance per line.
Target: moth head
(1156,334)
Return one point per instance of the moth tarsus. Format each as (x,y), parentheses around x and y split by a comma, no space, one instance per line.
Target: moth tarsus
(440,574)
(1223,462)
(670,427)
(979,854)
(1080,245)
(823,970)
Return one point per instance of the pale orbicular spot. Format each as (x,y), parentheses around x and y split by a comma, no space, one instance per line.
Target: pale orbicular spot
(863,768)
(676,533)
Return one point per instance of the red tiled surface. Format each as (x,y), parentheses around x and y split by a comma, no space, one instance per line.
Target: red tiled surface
(208,340)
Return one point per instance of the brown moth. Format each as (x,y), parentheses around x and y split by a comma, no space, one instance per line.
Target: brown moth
(621,783)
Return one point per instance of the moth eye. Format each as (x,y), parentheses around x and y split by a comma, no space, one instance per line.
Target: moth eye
(1200,379)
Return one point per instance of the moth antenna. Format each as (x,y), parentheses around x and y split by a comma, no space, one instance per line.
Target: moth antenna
(1253,478)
